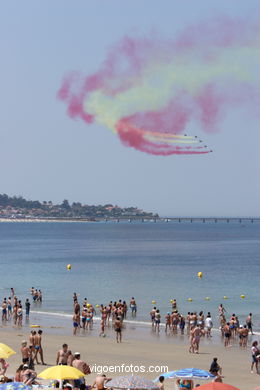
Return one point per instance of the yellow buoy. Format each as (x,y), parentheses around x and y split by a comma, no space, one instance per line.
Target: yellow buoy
(190,299)
(225,297)
(88,304)
(200,274)
(171,301)
(153,302)
(242,296)
(69,267)
(207,298)
(97,306)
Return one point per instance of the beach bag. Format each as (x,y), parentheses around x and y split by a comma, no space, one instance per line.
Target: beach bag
(86,369)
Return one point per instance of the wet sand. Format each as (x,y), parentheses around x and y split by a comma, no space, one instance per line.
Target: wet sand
(139,347)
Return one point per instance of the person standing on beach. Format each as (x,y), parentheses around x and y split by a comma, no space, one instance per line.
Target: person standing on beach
(221,310)
(208,325)
(227,335)
(84,317)
(196,334)
(38,346)
(102,327)
(62,356)
(4,310)
(167,322)
(152,315)
(76,307)
(25,351)
(20,316)
(27,307)
(76,323)
(249,323)
(182,323)
(157,320)
(255,355)
(32,343)
(133,307)
(244,336)
(118,330)
(81,366)
(9,308)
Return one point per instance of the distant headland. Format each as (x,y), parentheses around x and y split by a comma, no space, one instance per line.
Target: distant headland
(18,208)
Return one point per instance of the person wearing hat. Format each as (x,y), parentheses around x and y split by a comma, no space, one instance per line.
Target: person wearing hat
(82,366)
(25,351)
(28,376)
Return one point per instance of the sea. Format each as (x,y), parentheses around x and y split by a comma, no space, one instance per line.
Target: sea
(152,262)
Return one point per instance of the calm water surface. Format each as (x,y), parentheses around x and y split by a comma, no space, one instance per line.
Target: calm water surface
(150,261)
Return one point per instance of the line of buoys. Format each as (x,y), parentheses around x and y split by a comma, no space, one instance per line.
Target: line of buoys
(35,326)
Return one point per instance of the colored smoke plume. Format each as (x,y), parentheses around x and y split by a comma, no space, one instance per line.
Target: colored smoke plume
(148,90)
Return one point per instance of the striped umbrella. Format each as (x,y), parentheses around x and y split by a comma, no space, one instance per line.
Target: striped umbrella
(131,382)
(187,373)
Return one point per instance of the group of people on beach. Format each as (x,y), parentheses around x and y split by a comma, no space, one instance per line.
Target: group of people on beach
(12,307)
(36,294)
(114,311)
(198,325)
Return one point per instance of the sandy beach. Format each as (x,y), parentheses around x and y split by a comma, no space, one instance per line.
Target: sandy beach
(106,352)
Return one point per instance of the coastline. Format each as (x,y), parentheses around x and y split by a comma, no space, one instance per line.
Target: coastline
(61,324)
(26,220)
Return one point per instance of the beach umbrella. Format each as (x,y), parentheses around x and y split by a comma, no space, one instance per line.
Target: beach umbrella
(14,386)
(61,372)
(188,373)
(5,351)
(217,386)
(131,382)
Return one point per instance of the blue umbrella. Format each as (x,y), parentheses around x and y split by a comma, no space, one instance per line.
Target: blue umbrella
(14,386)
(188,373)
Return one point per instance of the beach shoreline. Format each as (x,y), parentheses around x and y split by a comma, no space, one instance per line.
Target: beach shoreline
(104,351)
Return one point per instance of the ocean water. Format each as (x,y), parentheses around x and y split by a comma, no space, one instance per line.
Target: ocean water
(150,261)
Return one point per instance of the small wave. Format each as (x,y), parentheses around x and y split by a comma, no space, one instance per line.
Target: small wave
(131,322)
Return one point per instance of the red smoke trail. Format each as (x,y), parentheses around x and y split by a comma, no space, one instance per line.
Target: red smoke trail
(134,138)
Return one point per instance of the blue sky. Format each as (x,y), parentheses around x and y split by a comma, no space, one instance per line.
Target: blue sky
(45,155)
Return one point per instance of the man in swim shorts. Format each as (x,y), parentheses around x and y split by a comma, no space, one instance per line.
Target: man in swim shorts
(25,351)
(81,366)
(227,334)
(118,329)
(38,346)
(76,322)
(62,356)
(249,323)
(133,307)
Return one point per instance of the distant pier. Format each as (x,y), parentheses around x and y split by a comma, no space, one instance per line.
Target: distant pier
(181,219)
